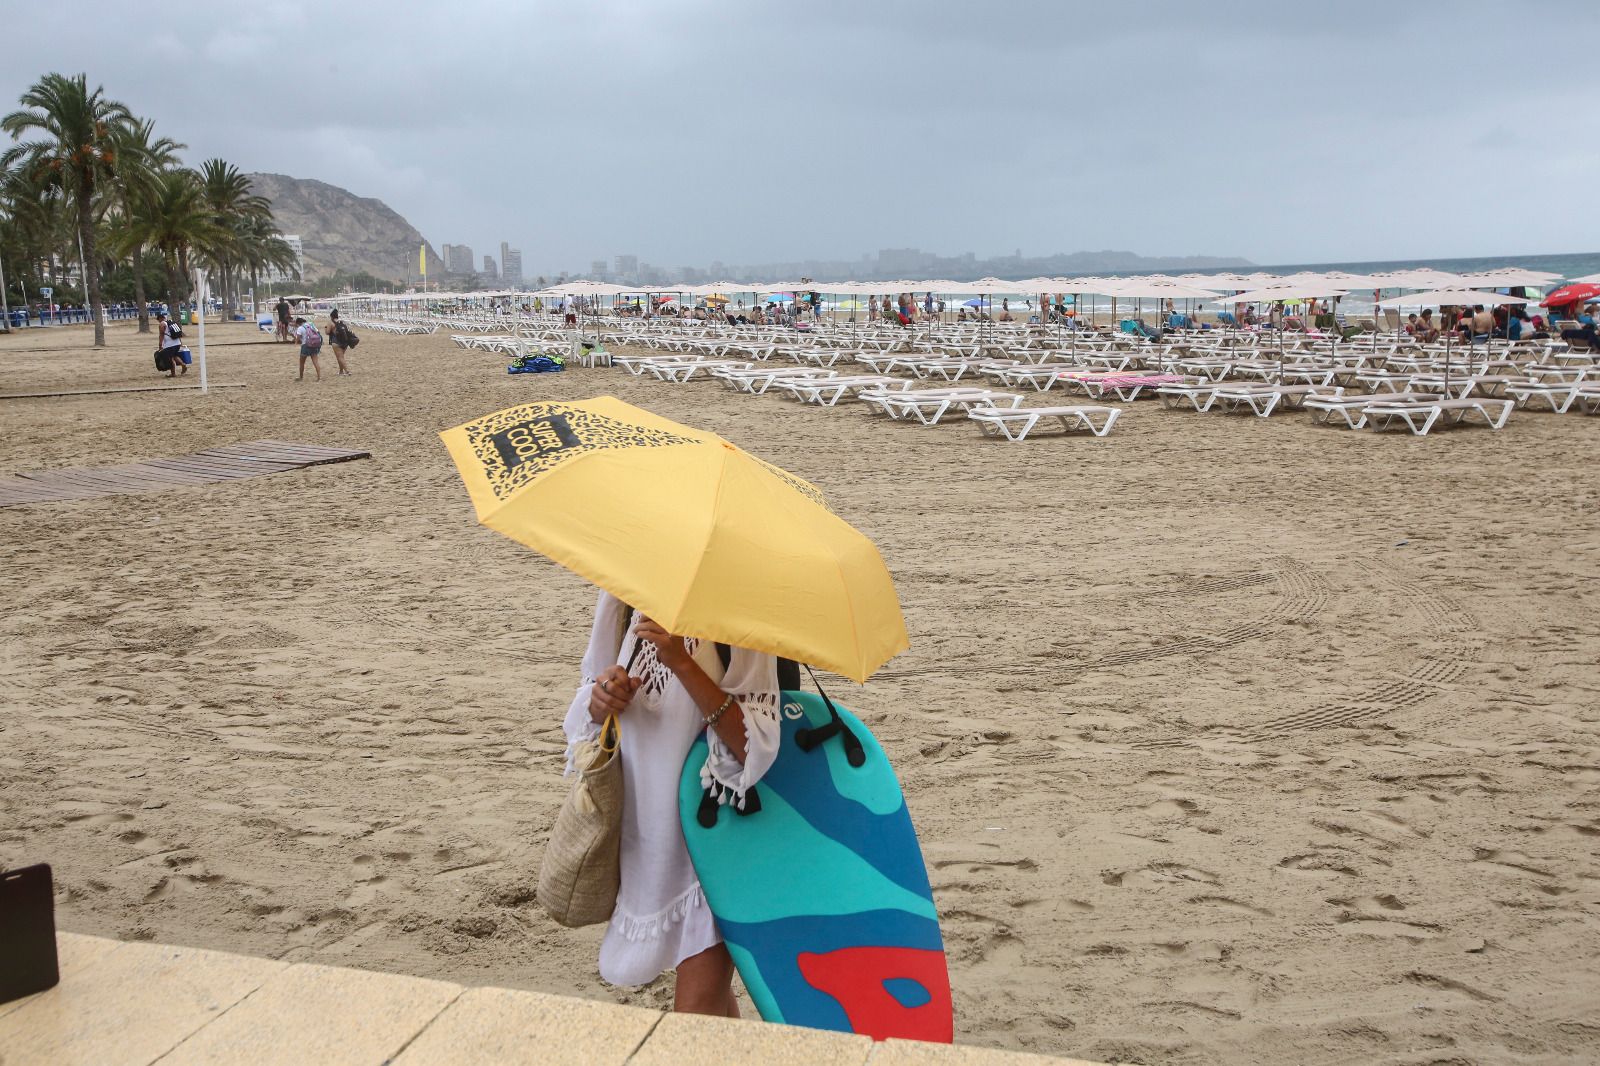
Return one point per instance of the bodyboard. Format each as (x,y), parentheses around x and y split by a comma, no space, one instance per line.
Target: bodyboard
(821,894)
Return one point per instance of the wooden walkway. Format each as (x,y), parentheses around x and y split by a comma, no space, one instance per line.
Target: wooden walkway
(250,459)
(110,391)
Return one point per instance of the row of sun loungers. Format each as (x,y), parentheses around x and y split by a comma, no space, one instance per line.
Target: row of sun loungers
(986,373)
(390,325)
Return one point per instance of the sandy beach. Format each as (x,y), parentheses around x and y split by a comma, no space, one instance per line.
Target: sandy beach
(1229,740)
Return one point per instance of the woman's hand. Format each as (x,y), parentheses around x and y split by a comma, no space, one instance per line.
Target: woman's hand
(613,691)
(670,651)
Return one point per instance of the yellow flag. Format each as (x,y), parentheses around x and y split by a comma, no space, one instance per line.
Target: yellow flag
(422,257)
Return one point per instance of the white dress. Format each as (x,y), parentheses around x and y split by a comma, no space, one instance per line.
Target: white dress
(662,917)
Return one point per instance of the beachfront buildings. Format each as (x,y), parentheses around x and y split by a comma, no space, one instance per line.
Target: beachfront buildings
(510,264)
(457,259)
(298,270)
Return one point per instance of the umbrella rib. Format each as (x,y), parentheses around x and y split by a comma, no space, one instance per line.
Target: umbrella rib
(705,550)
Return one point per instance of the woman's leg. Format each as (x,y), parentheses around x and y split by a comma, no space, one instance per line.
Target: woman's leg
(317,366)
(338,353)
(705,984)
(302,376)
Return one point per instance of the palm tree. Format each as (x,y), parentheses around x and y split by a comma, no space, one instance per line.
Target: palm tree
(173,220)
(37,229)
(76,150)
(227,193)
(262,247)
(141,157)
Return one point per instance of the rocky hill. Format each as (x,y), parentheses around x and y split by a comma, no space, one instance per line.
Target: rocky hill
(342,231)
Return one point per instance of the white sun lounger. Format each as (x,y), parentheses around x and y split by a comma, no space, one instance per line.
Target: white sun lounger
(760,378)
(1420,416)
(1559,396)
(1586,398)
(1264,399)
(679,372)
(1324,407)
(1014,424)
(928,406)
(827,392)
(1199,396)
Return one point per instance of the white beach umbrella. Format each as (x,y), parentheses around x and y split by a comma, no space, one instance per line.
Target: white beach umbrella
(1288,293)
(1452,298)
(1139,288)
(1587,279)
(1509,277)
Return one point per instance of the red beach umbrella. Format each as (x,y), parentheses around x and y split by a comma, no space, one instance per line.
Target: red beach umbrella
(1571,294)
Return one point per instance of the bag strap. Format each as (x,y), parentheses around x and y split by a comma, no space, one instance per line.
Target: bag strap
(810,738)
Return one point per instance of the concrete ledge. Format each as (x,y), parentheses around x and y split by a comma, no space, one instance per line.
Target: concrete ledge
(133,1004)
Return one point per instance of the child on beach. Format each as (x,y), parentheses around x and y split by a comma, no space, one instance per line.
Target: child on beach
(666,697)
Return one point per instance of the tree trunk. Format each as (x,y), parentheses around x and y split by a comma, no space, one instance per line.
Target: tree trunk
(174,279)
(139,297)
(91,264)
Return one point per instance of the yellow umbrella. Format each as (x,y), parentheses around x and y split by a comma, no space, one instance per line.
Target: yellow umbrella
(701,536)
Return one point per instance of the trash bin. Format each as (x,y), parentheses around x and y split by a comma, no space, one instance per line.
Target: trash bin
(187,319)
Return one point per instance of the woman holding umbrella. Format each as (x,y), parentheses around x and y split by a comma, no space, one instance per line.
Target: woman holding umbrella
(667,696)
(706,540)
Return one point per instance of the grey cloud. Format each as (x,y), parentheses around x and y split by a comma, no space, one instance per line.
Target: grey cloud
(686,132)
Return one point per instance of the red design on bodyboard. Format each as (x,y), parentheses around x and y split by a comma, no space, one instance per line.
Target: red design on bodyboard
(855,977)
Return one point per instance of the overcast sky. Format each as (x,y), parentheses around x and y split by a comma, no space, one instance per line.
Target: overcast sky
(750,132)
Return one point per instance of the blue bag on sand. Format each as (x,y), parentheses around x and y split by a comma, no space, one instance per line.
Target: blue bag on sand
(534,364)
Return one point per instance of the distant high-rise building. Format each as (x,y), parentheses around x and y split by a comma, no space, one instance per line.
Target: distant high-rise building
(597,268)
(489,272)
(457,259)
(627,266)
(298,271)
(510,264)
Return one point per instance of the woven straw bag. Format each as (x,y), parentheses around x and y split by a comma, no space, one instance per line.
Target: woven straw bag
(582,863)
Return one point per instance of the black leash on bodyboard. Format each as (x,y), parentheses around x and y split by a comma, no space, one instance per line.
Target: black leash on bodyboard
(808,739)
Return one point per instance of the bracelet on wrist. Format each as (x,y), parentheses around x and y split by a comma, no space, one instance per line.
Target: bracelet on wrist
(716,715)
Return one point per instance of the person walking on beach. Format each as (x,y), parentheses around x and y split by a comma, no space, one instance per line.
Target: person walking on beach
(339,337)
(310,347)
(171,344)
(672,691)
(282,309)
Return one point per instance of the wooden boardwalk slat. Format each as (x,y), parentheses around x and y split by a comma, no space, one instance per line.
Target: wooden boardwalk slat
(113,391)
(223,468)
(213,466)
(276,451)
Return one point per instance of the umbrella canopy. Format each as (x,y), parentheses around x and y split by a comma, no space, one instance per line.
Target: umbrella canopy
(1572,294)
(1509,277)
(1137,288)
(1587,278)
(1285,292)
(781,298)
(701,536)
(1452,298)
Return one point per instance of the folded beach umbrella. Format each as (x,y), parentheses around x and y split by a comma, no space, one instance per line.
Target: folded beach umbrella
(703,537)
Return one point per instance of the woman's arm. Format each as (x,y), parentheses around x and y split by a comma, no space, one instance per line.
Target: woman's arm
(708,696)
